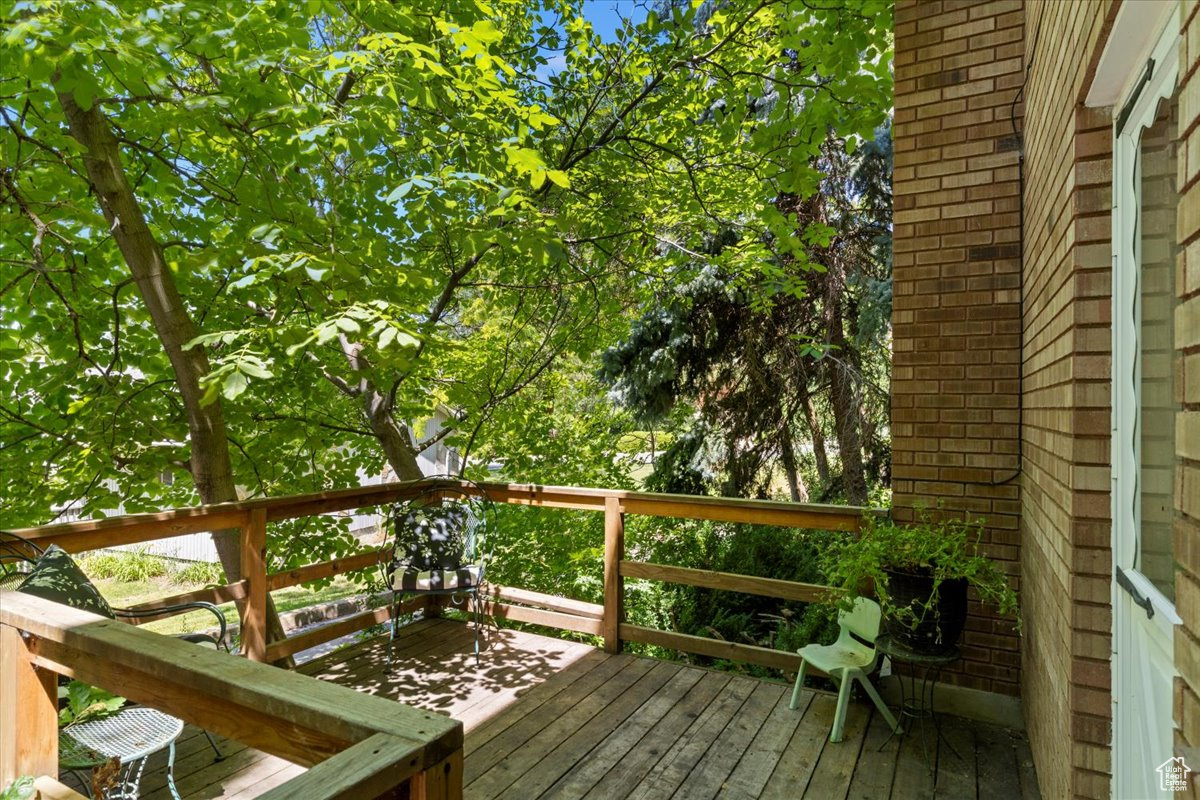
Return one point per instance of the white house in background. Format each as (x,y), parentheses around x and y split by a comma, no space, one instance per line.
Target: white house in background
(439,459)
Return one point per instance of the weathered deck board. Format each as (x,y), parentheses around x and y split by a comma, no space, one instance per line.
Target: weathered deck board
(879,751)
(795,767)
(611,754)
(641,759)
(758,762)
(914,779)
(996,754)
(838,761)
(578,746)
(548,718)
(722,757)
(516,756)
(956,769)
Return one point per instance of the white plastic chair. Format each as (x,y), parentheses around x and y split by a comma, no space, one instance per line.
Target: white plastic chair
(848,659)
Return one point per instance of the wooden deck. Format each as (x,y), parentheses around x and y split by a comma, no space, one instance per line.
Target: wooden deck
(546,718)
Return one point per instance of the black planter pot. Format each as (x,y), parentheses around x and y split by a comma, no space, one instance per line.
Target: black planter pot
(941,626)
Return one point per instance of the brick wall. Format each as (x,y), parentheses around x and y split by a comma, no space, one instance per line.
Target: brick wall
(956,279)
(1066,526)
(949,67)
(958,332)
(1187,432)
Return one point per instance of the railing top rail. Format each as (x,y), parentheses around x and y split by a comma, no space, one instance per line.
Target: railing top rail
(88,534)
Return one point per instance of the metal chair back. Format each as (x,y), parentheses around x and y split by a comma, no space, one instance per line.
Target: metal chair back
(442,528)
(17,557)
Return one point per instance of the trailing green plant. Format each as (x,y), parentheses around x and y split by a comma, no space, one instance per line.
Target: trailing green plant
(86,702)
(945,549)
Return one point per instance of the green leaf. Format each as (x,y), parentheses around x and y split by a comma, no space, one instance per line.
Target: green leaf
(255,370)
(485,31)
(399,193)
(234,384)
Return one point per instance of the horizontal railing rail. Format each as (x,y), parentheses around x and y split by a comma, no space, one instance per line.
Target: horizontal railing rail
(606,620)
(356,744)
(136,528)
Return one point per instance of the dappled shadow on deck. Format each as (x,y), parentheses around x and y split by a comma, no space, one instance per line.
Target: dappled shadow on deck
(434,666)
(548,718)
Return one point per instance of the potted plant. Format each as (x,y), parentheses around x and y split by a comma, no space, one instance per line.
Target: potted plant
(919,574)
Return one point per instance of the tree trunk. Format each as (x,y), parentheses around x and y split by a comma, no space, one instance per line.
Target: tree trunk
(845,423)
(796,485)
(394,437)
(817,434)
(210,465)
(843,396)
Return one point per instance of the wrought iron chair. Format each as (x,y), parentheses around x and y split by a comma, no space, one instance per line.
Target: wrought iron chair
(52,574)
(19,557)
(440,548)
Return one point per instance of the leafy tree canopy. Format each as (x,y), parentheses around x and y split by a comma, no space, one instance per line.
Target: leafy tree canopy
(371,208)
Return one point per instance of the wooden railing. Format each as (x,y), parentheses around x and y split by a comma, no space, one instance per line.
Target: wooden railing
(357,745)
(605,620)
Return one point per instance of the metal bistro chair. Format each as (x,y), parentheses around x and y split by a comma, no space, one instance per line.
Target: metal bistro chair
(439,548)
(848,659)
(130,736)
(53,575)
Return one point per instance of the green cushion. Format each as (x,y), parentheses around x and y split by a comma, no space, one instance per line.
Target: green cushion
(57,577)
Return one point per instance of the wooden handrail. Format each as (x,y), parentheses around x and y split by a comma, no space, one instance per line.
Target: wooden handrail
(283,713)
(134,528)
(251,516)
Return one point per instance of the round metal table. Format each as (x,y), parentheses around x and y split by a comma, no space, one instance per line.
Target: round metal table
(917,697)
(130,735)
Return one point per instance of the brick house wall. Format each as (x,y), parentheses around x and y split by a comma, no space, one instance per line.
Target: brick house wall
(1187,432)
(955,290)
(1066,521)
(1065,561)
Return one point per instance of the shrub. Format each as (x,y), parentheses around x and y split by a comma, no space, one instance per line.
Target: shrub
(128,565)
(200,572)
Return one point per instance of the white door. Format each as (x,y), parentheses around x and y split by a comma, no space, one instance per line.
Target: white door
(1144,405)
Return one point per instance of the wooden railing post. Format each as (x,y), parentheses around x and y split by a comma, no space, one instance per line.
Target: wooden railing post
(614,584)
(28,711)
(442,781)
(254,572)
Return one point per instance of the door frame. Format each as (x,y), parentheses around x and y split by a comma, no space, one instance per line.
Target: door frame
(1137,605)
